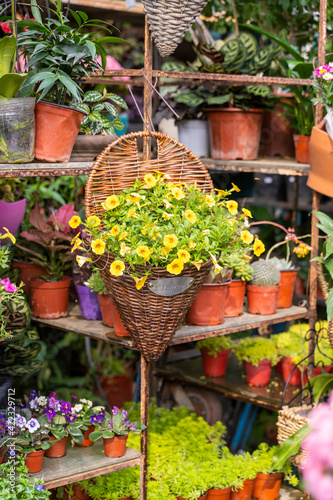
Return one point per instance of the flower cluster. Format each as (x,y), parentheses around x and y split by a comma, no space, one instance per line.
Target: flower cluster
(52,407)
(115,424)
(165,224)
(28,432)
(324,84)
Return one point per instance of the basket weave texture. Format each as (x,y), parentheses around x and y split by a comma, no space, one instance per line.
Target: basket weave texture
(150,319)
(169,20)
(289,421)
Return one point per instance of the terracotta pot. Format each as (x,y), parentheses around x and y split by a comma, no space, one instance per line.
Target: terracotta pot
(34,461)
(28,270)
(276,136)
(203,497)
(86,441)
(56,130)
(234,133)
(115,447)
(235,299)
(215,366)
(321,161)
(244,493)
(58,449)
(317,370)
(302,148)
(208,306)
(262,299)
(118,389)
(287,368)
(267,486)
(119,328)
(50,299)
(258,376)
(219,493)
(78,494)
(88,147)
(286,290)
(105,304)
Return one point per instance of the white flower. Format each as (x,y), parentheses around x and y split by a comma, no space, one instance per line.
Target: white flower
(89,403)
(328,76)
(77,408)
(42,401)
(20,421)
(33,425)
(83,400)
(34,404)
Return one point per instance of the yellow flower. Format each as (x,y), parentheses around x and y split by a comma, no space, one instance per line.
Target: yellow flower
(175,267)
(302,250)
(150,180)
(122,236)
(170,240)
(167,204)
(139,282)
(247,212)
(232,206)
(191,245)
(168,216)
(93,220)
(209,200)
(82,260)
(165,251)
(198,264)
(115,230)
(190,216)
(177,192)
(247,237)
(9,235)
(144,252)
(184,255)
(258,247)
(117,268)
(75,221)
(124,249)
(98,246)
(235,188)
(132,213)
(231,222)
(76,242)
(162,174)
(111,202)
(217,268)
(134,198)
(205,231)
(221,192)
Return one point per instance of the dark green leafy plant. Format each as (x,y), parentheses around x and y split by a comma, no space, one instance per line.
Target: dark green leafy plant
(326,259)
(215,345)
(25,487)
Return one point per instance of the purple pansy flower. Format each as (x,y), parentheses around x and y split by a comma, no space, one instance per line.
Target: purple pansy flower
(9,287)
(125,413)
(33,425)
(65,407)
(133,427)
(53,394)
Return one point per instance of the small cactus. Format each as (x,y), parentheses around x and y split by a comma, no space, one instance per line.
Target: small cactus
(265,273)
(281,264)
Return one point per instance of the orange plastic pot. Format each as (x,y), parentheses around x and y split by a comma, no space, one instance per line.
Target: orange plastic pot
(234,133)
(244,493)
(286,290)
(50,299)
(57,127)
(208,306)
(302,148)
(78,494)
(86,441)
(118,389)
(215,366)
(258,376)
(58,449)
(28,270)
(34,461)
(262,299)
(287,371)
(203,497)
(267,486)
(219,493)
(235,299)
(119,328)
(115,447)
(105,305)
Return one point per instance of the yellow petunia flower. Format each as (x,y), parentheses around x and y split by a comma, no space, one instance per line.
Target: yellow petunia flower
(168,216)
(93,221)
(111,202)
(167,204)
(144,252)
(190,216)
(217,268)
(76,242)
(134,198)
(117,268)
(124,249)
(74,222)
(162,174)
(232,206)
(177,192)
(191,245)
(175,267)
(258,247)
(150,180)
(165,251)
(114,231)
(247,212)
(209,200)
(184,255)
(139,282)
(9,235)
(221,192)
(98,246)
(122,236)
(198,264)
(235,188)
(170,240)
(82,260)
(247,237)
(132,213)
(231,222)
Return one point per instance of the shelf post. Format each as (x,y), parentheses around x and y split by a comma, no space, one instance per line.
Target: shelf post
(147,90)
(144,435)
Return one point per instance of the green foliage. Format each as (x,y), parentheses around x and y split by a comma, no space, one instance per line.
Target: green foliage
(117,485)
(255,349)
(265,273)
(326,225)
(12,189)
(215,345)
(96,283)
(24,487)
(265,463)
(321,385)
(238,263)
(10,82)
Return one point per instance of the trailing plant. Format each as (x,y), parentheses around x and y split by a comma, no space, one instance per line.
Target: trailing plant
(215,345)
(255,349)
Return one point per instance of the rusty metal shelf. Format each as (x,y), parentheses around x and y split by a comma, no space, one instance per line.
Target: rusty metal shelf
(44,169)
(278,166)
(83,463)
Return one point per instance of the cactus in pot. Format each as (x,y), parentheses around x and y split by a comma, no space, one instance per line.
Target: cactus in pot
(262,290)
(265,273)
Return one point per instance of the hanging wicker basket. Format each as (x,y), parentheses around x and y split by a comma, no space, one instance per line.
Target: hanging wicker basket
(169,21)
(150,318)
(290,420)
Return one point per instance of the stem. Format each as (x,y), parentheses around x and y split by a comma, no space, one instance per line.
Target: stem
(14,24)
(274,247)
(259,223)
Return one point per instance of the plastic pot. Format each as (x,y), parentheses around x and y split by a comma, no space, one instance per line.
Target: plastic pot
(219,493)
(119,328)
(276,135)
(106,305)
(58,449)
(118,389)
(34,461)
(203,497)
(267,486)
(194,135)
(244,493)
(286,290)
(86,441)
(287,368)
(215,366)
(208,306)
(115,447)
(262,299)
(28,270)
(88,301)
(78,494)
(258,376)
(50,299)
(302,148)
(235,299)
(11,216)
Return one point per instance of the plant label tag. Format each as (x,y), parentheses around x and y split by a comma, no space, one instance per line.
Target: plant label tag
(169,287)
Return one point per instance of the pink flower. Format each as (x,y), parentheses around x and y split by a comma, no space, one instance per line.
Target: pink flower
(322,70)
(9,287)
(112,63)
(6,27)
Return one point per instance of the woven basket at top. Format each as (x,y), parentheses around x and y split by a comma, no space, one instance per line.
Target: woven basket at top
(289,421)
(169,20)
(150,319)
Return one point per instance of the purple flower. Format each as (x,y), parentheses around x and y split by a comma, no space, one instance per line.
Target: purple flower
(74,398)
(115,410)
(21,405)
(2,416)
(96,418)
(125,413)
(33,425)
(20,421)
(53,403)
(65,406)
(33,394)
(50,413)
(133,427)
(39,487)
(9,287)
(53,394)
(71,418)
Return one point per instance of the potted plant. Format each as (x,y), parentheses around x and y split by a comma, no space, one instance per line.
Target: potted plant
(262,290)
(59,57)
(258,355)
(22,485)
(241,272)
(214,352)
(96,284)
(186,479)
(83,409)
(222,475)
(114,429)
(246,472)
(119,485)
(12,204)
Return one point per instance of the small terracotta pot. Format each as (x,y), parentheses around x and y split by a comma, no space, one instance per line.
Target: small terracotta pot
(78,494)
(115,447)
(267,486)
(276,134)
(28,270)
(119,328)
(235,299)
(244,493)
(286,290)
(208,306)
(258,376)
(215,366)
(219,493)
(262,299)
(34,461)
(118,389)
(317,370)
(50,299)
(287,368)
(86,441)
(106,304)
(58,449)
(302,148)
(203,497)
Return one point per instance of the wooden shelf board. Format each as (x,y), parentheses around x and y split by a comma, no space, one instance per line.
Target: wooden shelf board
(44,169)
(187,333)
(83,463)
(278,166)
(111,5)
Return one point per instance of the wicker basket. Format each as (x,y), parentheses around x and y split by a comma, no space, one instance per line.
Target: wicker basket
(169,21)
(289,421)
(150,319)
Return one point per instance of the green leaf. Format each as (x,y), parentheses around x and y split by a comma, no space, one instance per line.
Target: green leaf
(111,109)
(328,263)
(173,66)
(289,448)
(76,17)
(7,53)
(191,99)
(92,96)
(71,86)
(94,436)
(219,100)
(35,11)
(118,100)
(95,116)
(322,384)
(325,223)
(112,39)
(10,84)
(58,434)
(83,107)
(118,124)
(83,15)
(329,247)
(107,434)
(106,122)
(329,305)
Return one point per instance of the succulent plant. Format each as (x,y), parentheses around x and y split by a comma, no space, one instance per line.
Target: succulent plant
(281,264)
(265,273)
